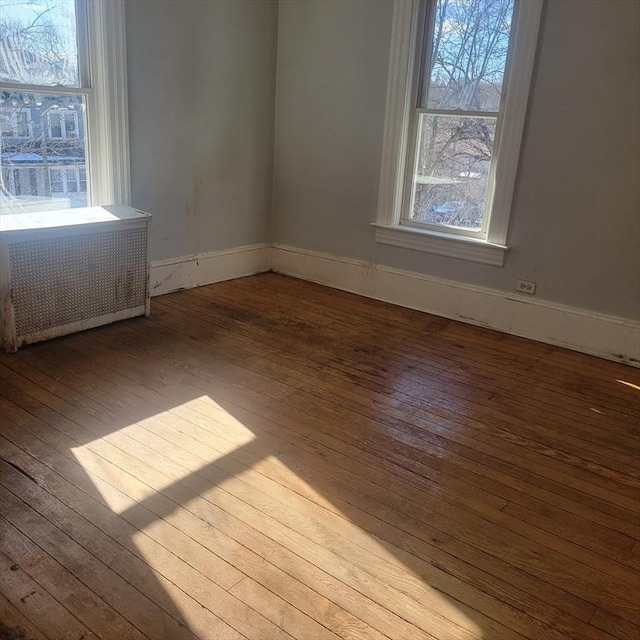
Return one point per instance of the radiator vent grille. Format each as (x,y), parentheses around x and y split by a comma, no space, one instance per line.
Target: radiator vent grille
(61,280)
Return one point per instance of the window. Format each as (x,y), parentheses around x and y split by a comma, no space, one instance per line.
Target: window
(63,102)
(22,124)
(33,182)
(72,180)
(56,180)
(55,125)
(67,180)
(15,123)
(63,123)
(458,87)
(22,182)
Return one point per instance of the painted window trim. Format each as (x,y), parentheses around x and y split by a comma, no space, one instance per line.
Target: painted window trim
(401,86)
(63,123)
(107,135)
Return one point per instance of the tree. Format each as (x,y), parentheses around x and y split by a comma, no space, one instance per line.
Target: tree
(469,56)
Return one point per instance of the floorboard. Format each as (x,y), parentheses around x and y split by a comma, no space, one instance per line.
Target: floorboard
(270,459)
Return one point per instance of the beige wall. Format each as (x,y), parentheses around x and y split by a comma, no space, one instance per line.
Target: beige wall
(201,110)
(575,227)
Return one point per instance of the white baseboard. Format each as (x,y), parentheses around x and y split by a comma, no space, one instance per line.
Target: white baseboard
(597,334)
(594,333)
(185,272)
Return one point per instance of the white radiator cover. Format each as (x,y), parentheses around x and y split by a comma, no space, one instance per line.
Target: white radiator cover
(68,270)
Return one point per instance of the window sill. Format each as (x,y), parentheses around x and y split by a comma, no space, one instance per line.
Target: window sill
(442,244)
(44,222)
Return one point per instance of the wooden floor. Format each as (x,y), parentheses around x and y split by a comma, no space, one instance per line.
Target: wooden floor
(266,458)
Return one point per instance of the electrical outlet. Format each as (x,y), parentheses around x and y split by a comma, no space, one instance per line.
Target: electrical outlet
(524,286)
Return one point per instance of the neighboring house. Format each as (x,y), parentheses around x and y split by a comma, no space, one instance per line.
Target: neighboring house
(42,147)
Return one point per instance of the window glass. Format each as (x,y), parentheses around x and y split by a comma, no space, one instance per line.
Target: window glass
(17,185)
(57,183)
(38,42)
(452,168)
(22,124)
(468,57)
(462,71)
(6,127)
(55,125)
(33,182)
(42,133)
(70,124)
(72,180)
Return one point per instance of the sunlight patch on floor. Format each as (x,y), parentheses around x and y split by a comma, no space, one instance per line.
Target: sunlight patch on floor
(258,480)
(206,410)
(147,463)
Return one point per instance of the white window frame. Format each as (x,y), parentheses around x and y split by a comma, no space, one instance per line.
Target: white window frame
(14,123)
(64,175)
(62,113)
(401,114)
(103,84)
(108,123)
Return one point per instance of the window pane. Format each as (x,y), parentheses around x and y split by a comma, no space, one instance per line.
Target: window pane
(38,43)
(72,181)
(6,127)
(51,166)
(452,168)
(17,184)
(55,125)
(55,177)
(70,124)
(22,124)
(33,182)
(469,54)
